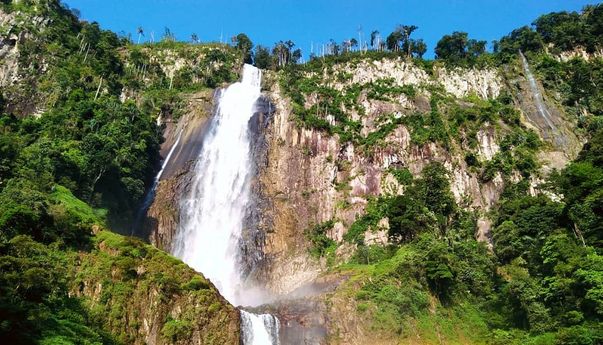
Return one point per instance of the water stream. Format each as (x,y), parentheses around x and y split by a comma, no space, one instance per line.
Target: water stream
(212,214)
(536,95)
(150,196)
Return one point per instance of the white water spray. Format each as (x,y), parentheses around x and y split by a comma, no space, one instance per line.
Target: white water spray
(212,215)
(259,329)
(168,157)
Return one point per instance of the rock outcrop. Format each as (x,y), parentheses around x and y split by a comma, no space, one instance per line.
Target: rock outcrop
(187,132)
(312,177)
(145,296)
(308,177)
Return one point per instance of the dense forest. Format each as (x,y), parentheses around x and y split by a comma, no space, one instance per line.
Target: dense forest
(83,160)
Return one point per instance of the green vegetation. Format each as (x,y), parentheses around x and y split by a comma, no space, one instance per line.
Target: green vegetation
(576,84)
(60,284)
(322,245)
(82,163)
(542,284)
(557,32)
(542,281)
(457,47)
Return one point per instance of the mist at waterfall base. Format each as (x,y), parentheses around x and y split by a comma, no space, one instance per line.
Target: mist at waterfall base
(212,214)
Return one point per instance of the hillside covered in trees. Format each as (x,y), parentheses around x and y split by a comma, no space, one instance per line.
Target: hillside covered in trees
(83,112)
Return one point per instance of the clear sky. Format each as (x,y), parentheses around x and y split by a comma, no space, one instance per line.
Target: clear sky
(307,21)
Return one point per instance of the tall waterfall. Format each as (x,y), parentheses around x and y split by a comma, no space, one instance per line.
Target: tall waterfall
(212,215)
(546,119)
(536,95)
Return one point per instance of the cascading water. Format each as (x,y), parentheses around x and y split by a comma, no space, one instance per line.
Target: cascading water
(148,199)
(211,220)
(259,329)
(537,96)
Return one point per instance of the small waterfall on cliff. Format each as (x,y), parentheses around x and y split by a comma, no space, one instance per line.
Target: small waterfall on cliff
(259,329)
(148,198)
(551,131)
(211,220)
(537,96)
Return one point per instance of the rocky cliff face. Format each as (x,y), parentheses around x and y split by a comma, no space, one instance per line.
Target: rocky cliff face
(313,177)
(144,296)
(187,132)
(308,176)
(18,77)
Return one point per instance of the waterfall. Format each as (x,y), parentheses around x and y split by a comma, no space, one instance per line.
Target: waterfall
(537,96)
(551,132)
(259,329)
(150,196)
(211,219)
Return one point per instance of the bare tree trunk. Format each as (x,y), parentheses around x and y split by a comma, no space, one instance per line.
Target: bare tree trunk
(100,174)
(98,89)
(578,234)
(82,45)
(87,51)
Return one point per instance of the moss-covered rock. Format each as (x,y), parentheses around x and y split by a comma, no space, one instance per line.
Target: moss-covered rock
(145,296)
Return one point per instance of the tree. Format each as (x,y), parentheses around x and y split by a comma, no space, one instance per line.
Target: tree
(452,47)
(594,23)
(393,40)
(282,52)
(438,270)
(475,48)
(346,46)
(194,38)
(333,48)
(296,56)
(565,30)
(400,39)
(408,217)
(168,35)
(406,31)
(375,40)
(524,39)
(419,47)
(140,31)
(244,45)
(435,190)
(262,58)
(353,43)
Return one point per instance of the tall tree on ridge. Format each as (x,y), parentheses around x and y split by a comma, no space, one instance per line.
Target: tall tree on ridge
(406,31)
(244,44)
(375,38)
(140,31)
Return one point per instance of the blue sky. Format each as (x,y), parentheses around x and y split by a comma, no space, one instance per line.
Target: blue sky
(307,21)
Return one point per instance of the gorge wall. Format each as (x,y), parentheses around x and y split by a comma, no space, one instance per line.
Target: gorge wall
(309,177)
(312,177)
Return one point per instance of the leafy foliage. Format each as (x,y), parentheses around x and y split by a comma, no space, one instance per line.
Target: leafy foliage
(457,47)
(559,31)
(83,163)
